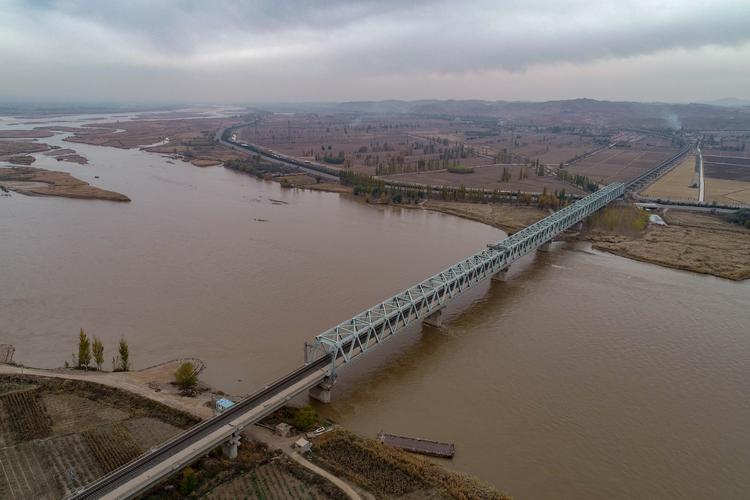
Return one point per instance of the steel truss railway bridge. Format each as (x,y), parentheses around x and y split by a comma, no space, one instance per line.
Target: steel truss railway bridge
(341,345)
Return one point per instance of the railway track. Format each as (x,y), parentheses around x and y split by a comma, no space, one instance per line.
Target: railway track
(140,467)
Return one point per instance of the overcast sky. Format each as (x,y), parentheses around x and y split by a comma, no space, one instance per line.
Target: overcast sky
(335,50)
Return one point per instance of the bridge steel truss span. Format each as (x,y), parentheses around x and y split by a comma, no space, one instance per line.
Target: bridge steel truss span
(354,337)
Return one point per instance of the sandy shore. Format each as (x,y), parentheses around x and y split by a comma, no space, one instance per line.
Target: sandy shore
(39,182)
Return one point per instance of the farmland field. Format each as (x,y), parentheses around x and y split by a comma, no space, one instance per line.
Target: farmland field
(27,415)
(727,178)
(267,482)
(677,183)
(112,445)
(619,164)
(734,168)
(727,191)
(148,432)
(394,144)
(71,413)
(56,436)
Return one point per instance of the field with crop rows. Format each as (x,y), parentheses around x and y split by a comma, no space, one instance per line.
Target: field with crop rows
(267,482)
(24,473)
(71,413)
(620,165)
(71,462)
(27,415)
(149,432)
(112,445)
(59,435)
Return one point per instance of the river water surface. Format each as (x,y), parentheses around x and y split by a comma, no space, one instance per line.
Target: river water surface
(585,375)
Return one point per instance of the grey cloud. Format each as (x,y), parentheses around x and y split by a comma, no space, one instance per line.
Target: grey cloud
(269,41)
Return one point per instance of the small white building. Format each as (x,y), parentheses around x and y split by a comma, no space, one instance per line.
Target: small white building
(302,445)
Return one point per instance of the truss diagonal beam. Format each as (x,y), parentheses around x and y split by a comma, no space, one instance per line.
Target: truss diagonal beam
(357,335)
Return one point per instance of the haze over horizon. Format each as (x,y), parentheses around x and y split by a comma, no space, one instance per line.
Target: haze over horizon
(334,51)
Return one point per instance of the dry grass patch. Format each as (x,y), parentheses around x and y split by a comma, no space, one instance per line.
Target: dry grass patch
(699,243)
(727,191)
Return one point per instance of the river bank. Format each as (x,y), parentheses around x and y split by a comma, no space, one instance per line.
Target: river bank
(700,243)
(695,242)
(39,182)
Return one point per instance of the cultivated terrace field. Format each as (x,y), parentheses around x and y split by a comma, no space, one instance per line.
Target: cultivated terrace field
(57,435)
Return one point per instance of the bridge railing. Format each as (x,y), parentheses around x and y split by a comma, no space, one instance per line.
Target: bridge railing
(357,335)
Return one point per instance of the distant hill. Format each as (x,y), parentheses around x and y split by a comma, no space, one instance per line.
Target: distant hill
(573,112)
(730,102)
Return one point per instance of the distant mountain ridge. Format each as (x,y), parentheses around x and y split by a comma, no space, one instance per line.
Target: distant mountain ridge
(571,112)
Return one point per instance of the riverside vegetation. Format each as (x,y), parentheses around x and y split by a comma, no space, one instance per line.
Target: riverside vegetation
(94,348)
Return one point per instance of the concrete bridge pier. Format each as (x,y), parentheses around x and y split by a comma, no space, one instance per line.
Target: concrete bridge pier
(546,247)
(322,391)
(229,448)
(435,319)
(501,275)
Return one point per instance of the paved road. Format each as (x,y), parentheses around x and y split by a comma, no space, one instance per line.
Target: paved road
(142,473)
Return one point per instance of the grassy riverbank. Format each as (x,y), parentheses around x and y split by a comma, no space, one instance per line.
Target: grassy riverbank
(696,242)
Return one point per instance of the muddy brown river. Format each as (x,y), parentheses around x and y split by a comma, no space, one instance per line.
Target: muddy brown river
(585,375)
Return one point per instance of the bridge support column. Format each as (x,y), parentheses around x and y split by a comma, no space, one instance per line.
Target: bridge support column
(578,227)
(546,247)
(435,319)
(322,391)
(229,449)
(501,275)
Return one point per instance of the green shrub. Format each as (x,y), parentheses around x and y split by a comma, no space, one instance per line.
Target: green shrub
(305,418)
(186,378)
(189,481)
